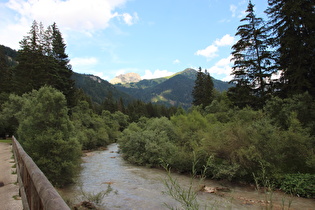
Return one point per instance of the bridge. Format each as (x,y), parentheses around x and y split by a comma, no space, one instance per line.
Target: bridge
(36,191)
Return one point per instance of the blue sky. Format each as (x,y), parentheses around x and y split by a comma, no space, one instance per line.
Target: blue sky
(153,38)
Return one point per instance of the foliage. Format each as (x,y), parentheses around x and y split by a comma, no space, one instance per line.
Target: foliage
(42,61)
(237,141)
(280,111)
(96,198)
(186,196)
(298,184)
(46,132)
(203,89)
(145,142)
(293,29)
(252,62)
(90,127)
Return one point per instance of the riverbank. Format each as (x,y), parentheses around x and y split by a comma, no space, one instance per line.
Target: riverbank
(141,187)
(9,192)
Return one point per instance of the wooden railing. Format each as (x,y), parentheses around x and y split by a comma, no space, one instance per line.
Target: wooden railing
(36,191)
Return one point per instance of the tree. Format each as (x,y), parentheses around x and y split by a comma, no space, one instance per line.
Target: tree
(46,132)
(5,74)
(203,89)
(293,26)
(43,61)
(252,60)
(64,72)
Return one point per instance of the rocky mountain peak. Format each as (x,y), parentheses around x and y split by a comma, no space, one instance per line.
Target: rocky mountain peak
(126,78)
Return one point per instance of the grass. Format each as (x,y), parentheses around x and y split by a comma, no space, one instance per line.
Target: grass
(5,141)
(16,197)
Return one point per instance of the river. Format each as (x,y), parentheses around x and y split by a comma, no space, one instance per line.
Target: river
(141,187)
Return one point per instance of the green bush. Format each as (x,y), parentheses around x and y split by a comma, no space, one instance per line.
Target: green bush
(239,142)
(46,132)
(92,129)
(148,141)
(299,184)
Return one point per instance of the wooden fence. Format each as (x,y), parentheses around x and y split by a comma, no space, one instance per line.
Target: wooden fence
(36,191)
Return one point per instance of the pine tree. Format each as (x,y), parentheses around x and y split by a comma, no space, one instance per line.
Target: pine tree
(5,73)
(203,89)
(43,61)
(198,89)
(64,82)
(293,26)
(253,63)
(208,89)
(30,73)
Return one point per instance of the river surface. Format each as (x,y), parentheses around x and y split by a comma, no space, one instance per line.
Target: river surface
(141,188)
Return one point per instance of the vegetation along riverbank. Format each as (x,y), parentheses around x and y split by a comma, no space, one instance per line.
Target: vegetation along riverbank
(260,130)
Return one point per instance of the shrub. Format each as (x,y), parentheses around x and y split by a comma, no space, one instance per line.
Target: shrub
(146,143)
(299,184)
(47,134)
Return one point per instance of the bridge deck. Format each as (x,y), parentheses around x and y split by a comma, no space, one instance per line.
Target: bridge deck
(9,193)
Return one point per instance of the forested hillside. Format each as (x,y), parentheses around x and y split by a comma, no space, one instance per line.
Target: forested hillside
(171,91)
(99,89)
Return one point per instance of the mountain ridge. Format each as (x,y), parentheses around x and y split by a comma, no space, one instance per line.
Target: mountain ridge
(172,90)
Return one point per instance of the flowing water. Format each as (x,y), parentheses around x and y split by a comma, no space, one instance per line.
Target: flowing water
(141,188)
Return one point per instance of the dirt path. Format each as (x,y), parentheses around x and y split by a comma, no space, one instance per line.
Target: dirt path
(9,193)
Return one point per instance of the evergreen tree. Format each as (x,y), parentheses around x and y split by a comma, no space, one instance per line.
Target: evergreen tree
(43,61)
(109,103)
(208,89)
(64,73)
(293,26)
(5,73)
(198,89)
(203,89)
(252,60)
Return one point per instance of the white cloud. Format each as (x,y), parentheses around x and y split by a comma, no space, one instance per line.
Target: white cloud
(129,19)
(118,72)
(233,9)
(156,74)
(211,51)
(226,40)
(236,12)
(74,15)
(222,68)
(176,61)
(86,61)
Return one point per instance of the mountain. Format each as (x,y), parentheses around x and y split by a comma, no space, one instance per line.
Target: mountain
(126,78)
(98,89)
(173,90)
(9,55)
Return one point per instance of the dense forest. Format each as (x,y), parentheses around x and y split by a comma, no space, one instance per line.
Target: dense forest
(261,125)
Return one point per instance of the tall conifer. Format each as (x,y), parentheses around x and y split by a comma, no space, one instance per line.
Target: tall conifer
(252,60)
(292,23)
(203,90)
(43,61)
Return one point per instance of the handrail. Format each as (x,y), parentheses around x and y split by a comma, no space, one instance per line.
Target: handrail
(36,191)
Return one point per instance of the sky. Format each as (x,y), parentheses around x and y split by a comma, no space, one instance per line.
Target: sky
(154,38)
